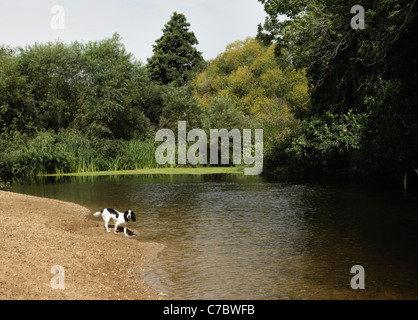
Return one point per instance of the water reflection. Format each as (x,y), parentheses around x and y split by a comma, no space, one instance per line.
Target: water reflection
(237,237)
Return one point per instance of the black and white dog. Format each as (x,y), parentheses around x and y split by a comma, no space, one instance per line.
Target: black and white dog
(118,218)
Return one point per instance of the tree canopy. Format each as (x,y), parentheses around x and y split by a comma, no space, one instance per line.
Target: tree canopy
(371,72)
(328,97)
(250,75)
(319,37)
(175,54)
(89,87)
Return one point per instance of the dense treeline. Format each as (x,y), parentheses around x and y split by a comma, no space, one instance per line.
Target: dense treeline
(247,86)
(86,107)
(71,107)
(328,97)
(90,88)
(363,83)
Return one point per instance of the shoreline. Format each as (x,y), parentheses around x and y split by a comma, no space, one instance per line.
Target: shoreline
(37,234)
(155,171)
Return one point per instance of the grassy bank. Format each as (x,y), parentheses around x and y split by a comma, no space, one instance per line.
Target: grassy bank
(191,171)
(70,153)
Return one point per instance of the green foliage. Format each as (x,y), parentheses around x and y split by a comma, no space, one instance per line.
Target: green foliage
(252,77)
(390,141)
(174,56)
(51,153)
(16,98)
(50,70)
(223,114)
(141,153)
(344,64)
(83,108)
(248,87)
(111,79)
(91,87)
(279,132)
(328,143)
(369,72)
(150,100)
(26,156)
(179,105)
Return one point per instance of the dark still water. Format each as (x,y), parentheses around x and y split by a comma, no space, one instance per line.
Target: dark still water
(237,237)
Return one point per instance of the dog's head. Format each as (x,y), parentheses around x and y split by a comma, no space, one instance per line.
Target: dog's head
(129,215)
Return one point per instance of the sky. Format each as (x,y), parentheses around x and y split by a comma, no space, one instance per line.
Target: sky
(216,23)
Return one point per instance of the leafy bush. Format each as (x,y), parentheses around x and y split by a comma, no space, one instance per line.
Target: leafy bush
(327,143)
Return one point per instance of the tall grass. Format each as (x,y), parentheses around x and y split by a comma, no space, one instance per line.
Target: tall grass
(80,154)
(71,152)
(142,154)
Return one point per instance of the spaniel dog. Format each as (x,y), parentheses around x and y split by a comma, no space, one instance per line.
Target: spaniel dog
(118,218)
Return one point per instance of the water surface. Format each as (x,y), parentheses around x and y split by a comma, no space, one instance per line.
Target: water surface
(238,237)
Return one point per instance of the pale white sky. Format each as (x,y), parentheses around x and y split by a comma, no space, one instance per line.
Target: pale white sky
(216,23)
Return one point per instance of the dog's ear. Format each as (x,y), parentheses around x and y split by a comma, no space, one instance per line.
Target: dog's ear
(129,215)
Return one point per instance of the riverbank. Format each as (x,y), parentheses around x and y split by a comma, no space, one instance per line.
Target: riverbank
(37,234)
(164,171)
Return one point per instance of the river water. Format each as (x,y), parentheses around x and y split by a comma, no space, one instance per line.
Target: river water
(238,237)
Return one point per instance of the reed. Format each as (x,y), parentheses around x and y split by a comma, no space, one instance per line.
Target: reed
(142,154)
(110,155)
(71,152)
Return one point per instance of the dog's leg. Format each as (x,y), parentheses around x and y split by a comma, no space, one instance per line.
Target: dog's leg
(116,227)
(106,224)
(124,231)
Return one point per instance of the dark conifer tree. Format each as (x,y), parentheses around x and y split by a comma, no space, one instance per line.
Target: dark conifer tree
(175,54)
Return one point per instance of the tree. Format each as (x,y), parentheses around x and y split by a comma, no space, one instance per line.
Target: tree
(96,88)
(175,55)
(111,80)
(223,114)
(150,96)
(250,75)
(319,37)
(179,105)
(16,99)
(371,72)
(52,71)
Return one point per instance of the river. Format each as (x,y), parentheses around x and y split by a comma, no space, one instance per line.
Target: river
(242,237)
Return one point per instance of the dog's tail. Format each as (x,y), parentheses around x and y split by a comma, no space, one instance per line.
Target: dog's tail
(98,213)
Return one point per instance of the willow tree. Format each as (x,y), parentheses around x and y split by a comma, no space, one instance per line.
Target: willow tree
(250,75)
